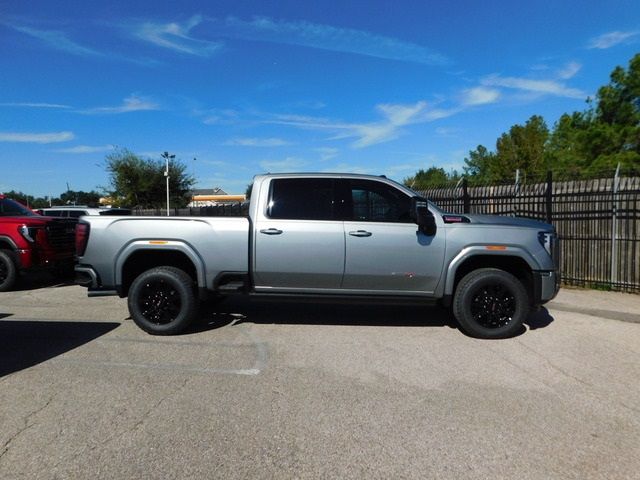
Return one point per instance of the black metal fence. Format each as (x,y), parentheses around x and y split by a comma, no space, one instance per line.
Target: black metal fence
(596,220)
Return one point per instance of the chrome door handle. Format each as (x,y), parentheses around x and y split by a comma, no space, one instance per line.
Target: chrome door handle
(360,233)
(271,231)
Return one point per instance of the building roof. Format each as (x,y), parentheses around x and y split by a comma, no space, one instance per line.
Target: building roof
(207,191)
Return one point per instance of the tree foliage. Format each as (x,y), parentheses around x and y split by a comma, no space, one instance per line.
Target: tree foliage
(70,197)
(140,182)
(432,177)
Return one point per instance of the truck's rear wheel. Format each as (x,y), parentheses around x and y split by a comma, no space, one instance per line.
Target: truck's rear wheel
(162,301)
(8,272)
(490,303)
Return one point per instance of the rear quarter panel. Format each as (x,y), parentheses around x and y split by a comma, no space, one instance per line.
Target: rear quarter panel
(213,244)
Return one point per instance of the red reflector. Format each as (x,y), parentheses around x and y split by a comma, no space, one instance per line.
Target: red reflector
(82,237)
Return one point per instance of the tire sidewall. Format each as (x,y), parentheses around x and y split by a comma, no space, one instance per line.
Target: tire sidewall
(12,271)
(179,281)
(469,287)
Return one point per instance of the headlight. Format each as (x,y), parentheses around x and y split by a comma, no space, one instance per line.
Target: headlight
(546,240)
(27,233)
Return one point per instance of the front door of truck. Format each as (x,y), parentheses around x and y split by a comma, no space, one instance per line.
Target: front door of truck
(385,252)
(298,243)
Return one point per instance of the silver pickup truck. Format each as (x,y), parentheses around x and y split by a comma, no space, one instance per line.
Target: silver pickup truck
(324,236)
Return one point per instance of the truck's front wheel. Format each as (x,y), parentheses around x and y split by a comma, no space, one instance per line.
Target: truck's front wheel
(490,303)
(8,272)
(162,301)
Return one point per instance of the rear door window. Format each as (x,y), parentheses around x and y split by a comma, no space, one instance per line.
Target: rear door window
(302,199)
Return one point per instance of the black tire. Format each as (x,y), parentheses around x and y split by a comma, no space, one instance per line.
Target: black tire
(162,301)
(8,271)
(490,303)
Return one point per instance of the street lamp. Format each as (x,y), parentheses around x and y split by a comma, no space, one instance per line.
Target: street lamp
(167,157)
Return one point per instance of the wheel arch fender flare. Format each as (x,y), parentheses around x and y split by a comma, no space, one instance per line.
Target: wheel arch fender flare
(483,250)
(137,246)
(5,239)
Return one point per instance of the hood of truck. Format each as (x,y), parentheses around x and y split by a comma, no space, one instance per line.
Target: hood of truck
(29,220)
(499,221)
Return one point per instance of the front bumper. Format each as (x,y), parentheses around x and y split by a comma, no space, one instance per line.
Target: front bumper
(546,285)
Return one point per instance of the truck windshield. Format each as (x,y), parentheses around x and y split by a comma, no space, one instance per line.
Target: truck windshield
(11,208)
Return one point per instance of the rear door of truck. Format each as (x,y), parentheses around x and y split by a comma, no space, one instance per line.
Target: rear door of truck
(299,244)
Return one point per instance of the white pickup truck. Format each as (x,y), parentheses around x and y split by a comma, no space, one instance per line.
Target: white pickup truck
(324,236)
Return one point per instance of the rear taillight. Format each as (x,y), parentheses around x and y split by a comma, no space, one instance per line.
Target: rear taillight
(82,237)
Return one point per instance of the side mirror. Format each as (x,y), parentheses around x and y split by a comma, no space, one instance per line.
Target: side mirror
(423,217)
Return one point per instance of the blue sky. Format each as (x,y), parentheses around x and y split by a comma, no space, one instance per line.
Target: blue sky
(236,88)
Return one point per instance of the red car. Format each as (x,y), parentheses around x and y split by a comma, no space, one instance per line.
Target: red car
(29,241)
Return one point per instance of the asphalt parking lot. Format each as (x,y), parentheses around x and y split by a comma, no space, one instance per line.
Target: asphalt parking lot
(261,390)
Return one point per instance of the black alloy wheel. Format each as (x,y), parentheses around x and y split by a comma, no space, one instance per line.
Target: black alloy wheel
(162,301)
(494,306)
(159,302)
(490,303)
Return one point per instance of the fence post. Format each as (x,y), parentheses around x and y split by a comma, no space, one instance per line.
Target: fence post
(466,200)
(516,192)
(614,227)
(549,197)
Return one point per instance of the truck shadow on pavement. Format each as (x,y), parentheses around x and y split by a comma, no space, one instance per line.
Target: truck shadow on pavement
(36,280)
(264,312)
(24,344)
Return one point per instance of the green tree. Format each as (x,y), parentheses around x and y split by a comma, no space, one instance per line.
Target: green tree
(522,148)
(71,197)
(26,199)
(423,179)
(478,164)
(140,182)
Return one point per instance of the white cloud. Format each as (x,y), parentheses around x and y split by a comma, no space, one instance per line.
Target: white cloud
(217,116)
(30,137)
(569,70)
(257,142)
(611,39)
(447,131)
(401,114)
(289,164)
(365,134)
(440,113)
(34,105)
(327,37)
(80,149)
(176,36)
(542,87)
(57,40)
(480,96)
(327,153)
(132,103)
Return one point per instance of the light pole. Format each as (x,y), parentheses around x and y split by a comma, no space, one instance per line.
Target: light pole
(167,157)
